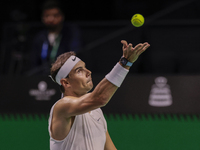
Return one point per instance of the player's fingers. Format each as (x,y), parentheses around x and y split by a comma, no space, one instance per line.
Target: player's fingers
(127,50)
(137,47)
(130,46)
(140,52)
(144,47)
(124,43)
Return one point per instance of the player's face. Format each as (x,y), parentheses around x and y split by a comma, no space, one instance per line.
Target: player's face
(80,79)
(52,17)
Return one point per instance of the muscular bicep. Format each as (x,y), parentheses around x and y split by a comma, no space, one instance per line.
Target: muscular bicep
(72,106)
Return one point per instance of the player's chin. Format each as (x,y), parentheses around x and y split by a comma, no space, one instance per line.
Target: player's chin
(90,85)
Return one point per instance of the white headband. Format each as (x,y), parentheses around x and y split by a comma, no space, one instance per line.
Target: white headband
(66,68)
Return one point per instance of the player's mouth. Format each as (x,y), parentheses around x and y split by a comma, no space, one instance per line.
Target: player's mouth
(90,80)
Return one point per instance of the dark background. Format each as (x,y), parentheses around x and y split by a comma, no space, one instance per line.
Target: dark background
(27,10)
(171,27)
(84,10)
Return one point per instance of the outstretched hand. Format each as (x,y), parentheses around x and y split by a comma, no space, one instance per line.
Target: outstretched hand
(132,53)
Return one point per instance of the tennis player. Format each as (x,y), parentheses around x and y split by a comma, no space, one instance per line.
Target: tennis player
(76,121)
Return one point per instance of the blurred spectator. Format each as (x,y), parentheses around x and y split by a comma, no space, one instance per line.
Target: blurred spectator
(54,40)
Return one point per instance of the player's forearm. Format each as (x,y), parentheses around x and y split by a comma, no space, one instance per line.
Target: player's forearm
(104,91)
(108,86)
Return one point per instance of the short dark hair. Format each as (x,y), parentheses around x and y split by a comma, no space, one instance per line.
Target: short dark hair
(50,4)
(58,64)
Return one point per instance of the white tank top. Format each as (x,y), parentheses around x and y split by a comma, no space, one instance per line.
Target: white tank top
(88,132)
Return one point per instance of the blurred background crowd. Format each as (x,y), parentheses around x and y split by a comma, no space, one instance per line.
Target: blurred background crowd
(34,33)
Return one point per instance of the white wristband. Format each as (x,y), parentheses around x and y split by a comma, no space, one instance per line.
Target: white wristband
(117,75)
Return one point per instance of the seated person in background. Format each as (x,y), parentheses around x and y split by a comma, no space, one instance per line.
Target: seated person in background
(56,39)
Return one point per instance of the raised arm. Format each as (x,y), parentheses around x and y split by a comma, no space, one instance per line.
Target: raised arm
(103,92)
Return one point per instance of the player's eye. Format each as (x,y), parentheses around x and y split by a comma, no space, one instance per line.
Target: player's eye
(79,70)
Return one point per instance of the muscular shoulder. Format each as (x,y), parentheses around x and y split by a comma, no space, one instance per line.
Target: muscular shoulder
(68,100)
(63,104)
(72,106)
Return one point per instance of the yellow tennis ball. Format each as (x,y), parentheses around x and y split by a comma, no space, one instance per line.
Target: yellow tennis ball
(137,20)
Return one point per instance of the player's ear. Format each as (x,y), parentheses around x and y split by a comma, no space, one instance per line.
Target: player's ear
(64,82)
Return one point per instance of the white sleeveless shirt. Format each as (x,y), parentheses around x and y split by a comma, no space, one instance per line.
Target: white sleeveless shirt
(88,132)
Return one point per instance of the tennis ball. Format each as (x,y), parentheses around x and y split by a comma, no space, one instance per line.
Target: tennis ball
(137,20)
